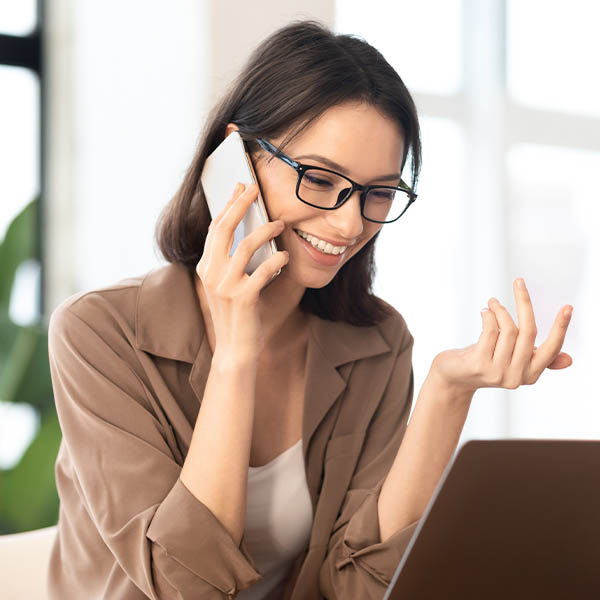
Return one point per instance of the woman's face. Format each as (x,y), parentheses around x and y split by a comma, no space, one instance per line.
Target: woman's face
(353,139)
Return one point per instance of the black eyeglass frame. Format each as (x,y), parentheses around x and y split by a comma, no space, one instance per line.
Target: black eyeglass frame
(301,168)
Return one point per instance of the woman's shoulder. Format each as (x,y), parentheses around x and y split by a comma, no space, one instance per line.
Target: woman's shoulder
(111,303)
(118,306)
(394,328)
(344,342)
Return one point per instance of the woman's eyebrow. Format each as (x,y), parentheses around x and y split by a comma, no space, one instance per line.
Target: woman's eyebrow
(337,167)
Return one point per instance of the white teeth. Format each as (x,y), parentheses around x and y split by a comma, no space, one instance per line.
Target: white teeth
(322,245)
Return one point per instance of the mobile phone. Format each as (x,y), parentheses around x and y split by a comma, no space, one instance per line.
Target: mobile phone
(228,164)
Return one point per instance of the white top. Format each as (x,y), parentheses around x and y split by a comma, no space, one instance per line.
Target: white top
(278,518)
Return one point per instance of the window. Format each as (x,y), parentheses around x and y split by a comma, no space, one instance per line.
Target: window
(559,71)
(509,102)
(18,17)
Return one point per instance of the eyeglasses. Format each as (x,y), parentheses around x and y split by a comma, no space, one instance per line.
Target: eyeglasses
(328,190)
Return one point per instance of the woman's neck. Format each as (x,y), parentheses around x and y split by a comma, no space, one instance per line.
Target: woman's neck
(281,315)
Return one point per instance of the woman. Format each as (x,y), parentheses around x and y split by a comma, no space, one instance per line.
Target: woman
(226,437)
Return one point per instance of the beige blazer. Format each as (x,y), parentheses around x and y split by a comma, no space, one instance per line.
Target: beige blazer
(129,364)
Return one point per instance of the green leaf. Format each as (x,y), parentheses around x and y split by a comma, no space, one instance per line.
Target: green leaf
(9,332)
(28,496)
(28,490)
(19,244)
(25,375)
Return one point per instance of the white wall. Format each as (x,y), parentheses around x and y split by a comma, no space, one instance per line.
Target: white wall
(126,106)
(131,86)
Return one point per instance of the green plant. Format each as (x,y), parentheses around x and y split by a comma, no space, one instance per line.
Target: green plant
(28,496)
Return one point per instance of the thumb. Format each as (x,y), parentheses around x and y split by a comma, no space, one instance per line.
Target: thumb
(562,361)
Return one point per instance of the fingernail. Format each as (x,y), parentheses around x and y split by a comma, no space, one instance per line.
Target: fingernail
(521,283)
(568,312)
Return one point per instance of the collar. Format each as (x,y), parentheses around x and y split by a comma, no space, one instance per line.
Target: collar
(168,319)
(169,323)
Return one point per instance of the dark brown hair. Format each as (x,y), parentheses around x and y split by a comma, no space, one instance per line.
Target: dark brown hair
(291,78)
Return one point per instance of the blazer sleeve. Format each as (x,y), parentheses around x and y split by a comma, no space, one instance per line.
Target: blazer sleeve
(161,537)
(358,564)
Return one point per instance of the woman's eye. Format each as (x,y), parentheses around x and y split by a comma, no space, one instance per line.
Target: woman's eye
(317,181)
(383,194)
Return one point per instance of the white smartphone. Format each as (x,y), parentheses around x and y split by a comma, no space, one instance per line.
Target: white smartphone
(228,164)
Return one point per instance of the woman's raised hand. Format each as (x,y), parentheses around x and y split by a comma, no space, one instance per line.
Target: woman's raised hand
(505,355)
(231,293)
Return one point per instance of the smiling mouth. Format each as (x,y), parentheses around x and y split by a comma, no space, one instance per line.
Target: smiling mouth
(321,245)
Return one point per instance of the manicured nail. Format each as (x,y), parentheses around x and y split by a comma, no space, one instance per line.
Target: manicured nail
(521,283)
(568,312)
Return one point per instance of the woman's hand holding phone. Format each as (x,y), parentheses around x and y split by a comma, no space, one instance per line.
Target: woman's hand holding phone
(232,294)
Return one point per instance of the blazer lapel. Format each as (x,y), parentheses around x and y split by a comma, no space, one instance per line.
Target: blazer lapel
(333,349)
(323,385)
(333,344)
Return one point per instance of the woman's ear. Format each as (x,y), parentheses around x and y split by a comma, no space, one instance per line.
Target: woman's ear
(231,127)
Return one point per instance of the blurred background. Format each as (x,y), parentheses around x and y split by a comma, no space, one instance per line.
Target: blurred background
(101,106)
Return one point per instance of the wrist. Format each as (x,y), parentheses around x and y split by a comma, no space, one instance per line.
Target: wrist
(446,391)
(227,362)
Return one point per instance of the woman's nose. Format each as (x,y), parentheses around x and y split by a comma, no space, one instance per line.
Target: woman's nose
(347,219)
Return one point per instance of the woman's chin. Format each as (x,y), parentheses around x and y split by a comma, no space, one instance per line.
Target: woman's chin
(311,277)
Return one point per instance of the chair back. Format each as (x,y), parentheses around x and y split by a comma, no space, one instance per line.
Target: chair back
(24,559)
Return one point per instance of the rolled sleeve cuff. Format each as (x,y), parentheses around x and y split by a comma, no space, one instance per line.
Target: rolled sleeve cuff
(362,543)
(190,533)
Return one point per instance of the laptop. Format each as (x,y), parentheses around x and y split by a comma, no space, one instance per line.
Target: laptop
(509,519)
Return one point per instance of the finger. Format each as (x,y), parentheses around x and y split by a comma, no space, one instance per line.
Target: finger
(489,335)
(266,271)
(237,191)
(224,228)
(562,361)
(250,244)
(523,352)
(506,339)
(233,211)
(550,349)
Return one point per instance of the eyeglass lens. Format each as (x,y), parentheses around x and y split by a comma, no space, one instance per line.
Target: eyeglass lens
(324,189)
